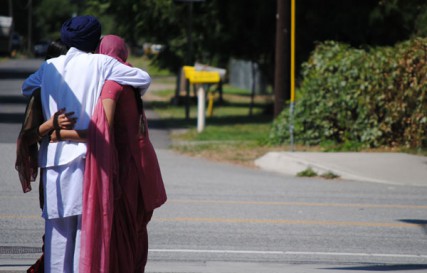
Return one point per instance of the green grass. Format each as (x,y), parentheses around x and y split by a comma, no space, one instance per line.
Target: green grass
(230,134)
(164,94)
(3,59)
(238,132)
(236,91)
(146,64)
(230,120)
(309,172)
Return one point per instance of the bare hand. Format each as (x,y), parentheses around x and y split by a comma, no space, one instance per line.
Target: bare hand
(66,121)
(63,120)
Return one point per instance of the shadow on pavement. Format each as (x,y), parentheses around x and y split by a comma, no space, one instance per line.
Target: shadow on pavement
(231,119)
(11,118)
(13,99)
(421,223)
(10,74)
(386,267)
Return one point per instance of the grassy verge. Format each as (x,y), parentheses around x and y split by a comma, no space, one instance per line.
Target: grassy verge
(231,133)
(145,63)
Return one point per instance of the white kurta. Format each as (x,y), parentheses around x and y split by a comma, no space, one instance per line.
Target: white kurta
(74,82)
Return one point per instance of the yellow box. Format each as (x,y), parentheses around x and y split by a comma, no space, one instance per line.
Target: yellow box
(203,77)
(200,76)
(188,70)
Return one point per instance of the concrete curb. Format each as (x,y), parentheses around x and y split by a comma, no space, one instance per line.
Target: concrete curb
(388,168)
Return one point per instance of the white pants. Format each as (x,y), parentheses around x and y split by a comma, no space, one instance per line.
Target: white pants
(62,244)
(63,189)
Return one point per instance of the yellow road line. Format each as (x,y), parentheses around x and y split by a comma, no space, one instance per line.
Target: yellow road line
(300,204)
(254,221)
(287,222)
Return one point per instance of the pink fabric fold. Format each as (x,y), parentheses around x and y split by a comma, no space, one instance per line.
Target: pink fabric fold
(152,186)
(97,211)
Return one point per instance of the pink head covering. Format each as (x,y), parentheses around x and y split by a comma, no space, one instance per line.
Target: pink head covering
(115,47)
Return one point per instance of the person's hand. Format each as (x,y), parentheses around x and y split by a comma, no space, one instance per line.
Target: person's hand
(66,120)
(63,120)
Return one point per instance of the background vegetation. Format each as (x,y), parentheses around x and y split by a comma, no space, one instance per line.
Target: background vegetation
(361,97)
(230,134)
(364,87)
(223,29)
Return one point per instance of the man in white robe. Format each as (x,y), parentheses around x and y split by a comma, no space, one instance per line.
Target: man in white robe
(74,82)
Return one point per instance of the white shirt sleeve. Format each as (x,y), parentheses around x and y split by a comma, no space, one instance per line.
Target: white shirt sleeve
(33,82)
(126,75)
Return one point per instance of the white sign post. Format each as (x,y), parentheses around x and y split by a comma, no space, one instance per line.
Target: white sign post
(201,109)
(200,78)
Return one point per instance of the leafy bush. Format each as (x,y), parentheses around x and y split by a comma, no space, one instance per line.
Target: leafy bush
(360,97)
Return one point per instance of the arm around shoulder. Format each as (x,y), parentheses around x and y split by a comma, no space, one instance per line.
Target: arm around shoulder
(126,75)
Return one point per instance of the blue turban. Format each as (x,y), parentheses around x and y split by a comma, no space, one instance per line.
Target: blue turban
(81,32)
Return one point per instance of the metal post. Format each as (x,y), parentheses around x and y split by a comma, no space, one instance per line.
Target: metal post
(292,107)
(188,59)
(291,126)
(187,99)
(252,103)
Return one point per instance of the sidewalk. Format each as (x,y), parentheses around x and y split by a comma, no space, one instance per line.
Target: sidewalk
(388,168)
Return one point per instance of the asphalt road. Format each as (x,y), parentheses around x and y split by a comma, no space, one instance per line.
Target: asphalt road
(225,218)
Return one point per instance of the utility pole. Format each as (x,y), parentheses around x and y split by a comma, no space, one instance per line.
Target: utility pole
(189,59)
(10,9)
(189,55)
(30,24)
(282,56)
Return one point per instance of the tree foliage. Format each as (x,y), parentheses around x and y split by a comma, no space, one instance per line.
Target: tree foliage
(374,97)
(367,88)
(240,28)
(50,16)
(221,29)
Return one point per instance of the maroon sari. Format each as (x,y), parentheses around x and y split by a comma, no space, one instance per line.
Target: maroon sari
(123,183)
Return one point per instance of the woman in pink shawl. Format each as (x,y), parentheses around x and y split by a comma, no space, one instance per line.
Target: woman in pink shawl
(123,183)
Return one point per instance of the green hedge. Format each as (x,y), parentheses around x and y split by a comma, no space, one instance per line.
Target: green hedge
(371,98)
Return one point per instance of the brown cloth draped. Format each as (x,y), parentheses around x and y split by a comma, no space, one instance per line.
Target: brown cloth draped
(26,145)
